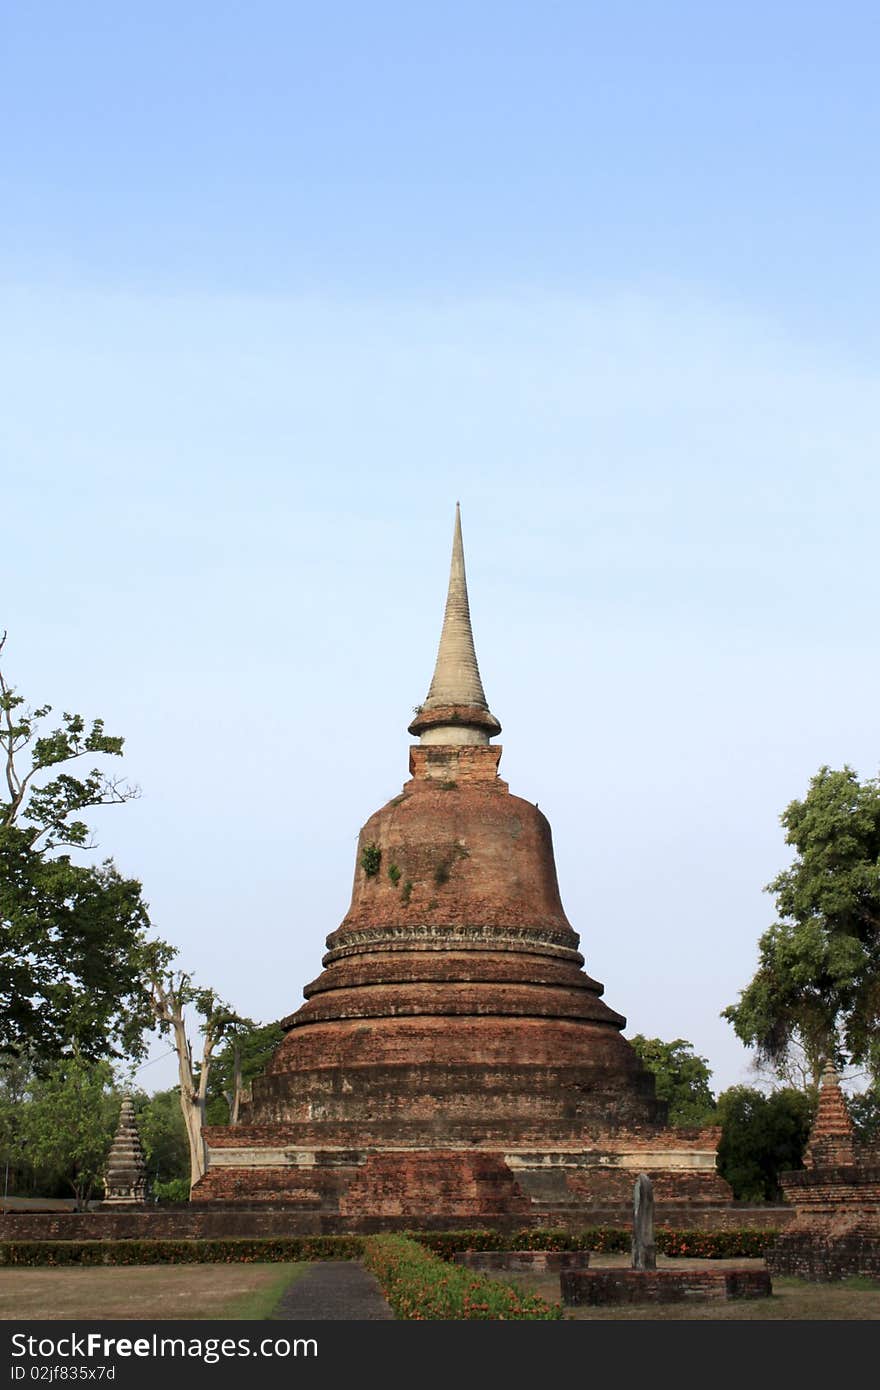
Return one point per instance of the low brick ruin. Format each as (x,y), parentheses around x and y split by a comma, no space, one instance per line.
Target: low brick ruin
(836,1198)
(599,1287)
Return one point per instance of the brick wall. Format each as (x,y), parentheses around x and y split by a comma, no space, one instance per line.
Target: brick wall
(810,1256)
(220,1220)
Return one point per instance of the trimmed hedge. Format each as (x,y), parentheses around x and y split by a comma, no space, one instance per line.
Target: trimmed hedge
(715,1245)
(446,1243)
(604,1240)
(706,1245)
(155,1252)
(422,1287)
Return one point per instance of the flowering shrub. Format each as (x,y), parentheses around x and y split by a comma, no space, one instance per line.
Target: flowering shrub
(705,1245)
(419,1285)
(714,1245)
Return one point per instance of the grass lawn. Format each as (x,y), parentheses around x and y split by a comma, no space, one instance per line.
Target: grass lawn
(147,1291)
(792,1299)
(252,1291)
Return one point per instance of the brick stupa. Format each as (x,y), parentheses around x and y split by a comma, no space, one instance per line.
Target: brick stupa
(836,1196)
(453,1062)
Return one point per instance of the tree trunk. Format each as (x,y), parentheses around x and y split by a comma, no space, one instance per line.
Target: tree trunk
(169,995)
(233,1097)
(191,1104)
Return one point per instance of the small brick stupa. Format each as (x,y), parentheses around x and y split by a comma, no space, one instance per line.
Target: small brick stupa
(453,1062)
(125,1173)
(836,1196)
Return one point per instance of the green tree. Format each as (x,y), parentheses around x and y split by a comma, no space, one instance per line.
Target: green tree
(16,1073)
(681,1078)
(761,1137)
(163,1135)
(68,1125)
(864,1110)
(172,992)
(242,1057)
(72,949)
(818,976)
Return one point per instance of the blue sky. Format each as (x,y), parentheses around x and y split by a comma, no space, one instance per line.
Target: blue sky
(280,283)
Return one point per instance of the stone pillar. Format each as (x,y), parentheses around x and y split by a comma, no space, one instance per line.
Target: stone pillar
(644,1252)
(125,1176)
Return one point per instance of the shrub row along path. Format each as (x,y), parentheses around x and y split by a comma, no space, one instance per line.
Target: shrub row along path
(334,1290)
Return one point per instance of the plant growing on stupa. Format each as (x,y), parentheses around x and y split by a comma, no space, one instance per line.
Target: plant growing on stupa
(371,858)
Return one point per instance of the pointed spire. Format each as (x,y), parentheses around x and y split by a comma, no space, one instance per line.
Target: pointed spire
(456,679)
(831,1138)
(455,709)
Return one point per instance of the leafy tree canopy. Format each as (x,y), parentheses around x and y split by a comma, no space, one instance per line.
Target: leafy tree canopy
(73,936)
(682,1079)
(761,1137)
(66,1125)
(818,976)
(163,1135)
(864,1110)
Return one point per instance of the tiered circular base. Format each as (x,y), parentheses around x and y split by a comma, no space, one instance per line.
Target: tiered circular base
(453,1004)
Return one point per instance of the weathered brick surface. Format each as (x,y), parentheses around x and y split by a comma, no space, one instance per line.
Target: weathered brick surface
(836,1230)
(492,1102)
(440,966)
(809,1255)
(466,1187)
(240,1217)
(311,1189)
(830,1195)
(610,1286)
(604,1187)
(459,763)
(186,1223)
(832,1134)
(434,1042)
(473,854)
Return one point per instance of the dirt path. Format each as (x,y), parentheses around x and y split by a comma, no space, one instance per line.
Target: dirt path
(336,1290)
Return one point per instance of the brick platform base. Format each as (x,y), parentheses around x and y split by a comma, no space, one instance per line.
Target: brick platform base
(809,1255)
(606,1286)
